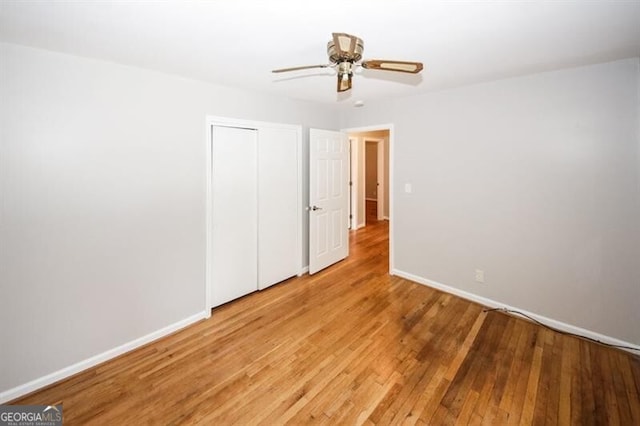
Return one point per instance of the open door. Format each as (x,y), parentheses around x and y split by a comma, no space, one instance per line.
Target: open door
(328,198)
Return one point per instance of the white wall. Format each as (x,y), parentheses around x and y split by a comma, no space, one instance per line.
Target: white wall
(534,180)
(102,214)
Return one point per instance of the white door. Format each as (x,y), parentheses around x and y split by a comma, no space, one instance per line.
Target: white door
(278,205)
(234,270)
(328,198)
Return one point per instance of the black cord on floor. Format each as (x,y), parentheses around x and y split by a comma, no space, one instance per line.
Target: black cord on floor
(566,333)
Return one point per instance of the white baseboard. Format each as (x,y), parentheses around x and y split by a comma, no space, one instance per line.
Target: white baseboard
(494,304)
(56,376)
(303,271)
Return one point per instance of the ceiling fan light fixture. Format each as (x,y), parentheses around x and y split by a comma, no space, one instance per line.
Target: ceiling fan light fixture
(345,68)
(344,82)
(345,75)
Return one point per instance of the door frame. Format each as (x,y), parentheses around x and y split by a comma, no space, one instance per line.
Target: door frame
(390,128)
(211,121)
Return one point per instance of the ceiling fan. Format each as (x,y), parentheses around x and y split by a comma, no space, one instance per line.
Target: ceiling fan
(345,54)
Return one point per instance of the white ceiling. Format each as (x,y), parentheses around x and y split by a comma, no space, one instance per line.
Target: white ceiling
(237,42)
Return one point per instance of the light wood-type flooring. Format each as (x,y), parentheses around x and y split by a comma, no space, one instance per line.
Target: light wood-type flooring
(371,212)
(352,345)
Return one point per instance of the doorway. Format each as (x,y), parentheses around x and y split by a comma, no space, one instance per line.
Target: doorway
(380,193)
(369,177)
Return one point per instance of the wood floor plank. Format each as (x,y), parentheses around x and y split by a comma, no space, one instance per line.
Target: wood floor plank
(529,406)
(467,408)
(624,408)
(611,401)
(524,365)
(433,403)
(353,345)
(575,379)
(506,353)
(629,387)
(454,366)
(588,414)
(431,380)
(555,391)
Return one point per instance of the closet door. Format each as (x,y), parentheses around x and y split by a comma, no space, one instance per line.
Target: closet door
(278,205)
(235,213)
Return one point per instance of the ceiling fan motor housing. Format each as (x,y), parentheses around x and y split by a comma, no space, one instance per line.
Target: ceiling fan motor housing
(335,56)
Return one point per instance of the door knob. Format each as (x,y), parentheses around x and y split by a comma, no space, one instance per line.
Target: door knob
(314,208)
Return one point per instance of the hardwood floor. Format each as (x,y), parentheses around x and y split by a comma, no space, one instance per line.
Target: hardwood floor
(352,345)
(371,209)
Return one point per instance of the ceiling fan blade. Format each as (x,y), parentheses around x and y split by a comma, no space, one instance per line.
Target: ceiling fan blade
(401,66)
(345,44)
(344,82)
(304,67)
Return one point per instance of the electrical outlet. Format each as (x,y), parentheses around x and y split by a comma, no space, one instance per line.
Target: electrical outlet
(479,276)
